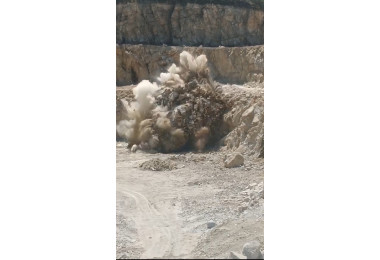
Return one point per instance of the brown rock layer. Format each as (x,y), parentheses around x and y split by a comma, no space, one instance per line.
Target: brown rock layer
(191,23)
(227,64)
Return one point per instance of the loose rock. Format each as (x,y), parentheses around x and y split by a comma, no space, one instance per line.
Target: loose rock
(134,148)
(243,207)
(235,255)
(252,250)
(158,165)
(234,160)
(211,224)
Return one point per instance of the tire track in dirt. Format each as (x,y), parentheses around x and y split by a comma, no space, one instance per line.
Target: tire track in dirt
(153,227)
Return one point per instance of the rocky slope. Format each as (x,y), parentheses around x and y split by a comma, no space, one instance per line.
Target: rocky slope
(243,123)
(190,23)
(235,65)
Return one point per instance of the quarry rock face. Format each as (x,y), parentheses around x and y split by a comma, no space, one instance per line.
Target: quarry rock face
(245,119)
(227,64)
(191,23)
(221,103)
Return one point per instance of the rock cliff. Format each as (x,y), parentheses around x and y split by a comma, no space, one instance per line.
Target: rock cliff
(190,23)
(235,65)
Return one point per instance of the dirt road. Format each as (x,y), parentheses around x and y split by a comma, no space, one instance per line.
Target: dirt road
(163,214)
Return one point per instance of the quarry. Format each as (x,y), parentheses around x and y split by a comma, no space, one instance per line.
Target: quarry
(189,129)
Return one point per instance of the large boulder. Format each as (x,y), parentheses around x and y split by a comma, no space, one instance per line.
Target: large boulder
(234,160)
(252,250)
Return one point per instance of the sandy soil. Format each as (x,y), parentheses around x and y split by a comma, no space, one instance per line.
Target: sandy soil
(164,214)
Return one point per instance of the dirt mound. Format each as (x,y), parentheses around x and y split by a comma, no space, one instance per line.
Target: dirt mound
(158,165)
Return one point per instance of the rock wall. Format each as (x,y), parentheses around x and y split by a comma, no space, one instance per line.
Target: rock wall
(245,120)
(235,65)
(190,23)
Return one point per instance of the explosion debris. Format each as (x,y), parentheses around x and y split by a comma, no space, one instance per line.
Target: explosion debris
(184,111)
(158,165)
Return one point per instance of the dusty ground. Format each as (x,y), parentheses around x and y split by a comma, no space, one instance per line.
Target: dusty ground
(163,214)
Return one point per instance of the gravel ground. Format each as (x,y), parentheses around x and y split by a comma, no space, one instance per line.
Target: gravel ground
(164,214)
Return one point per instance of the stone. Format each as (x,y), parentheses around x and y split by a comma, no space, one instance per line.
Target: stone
(245,192)
(252,250)
(261,194)
(248,115)
(134,148)
(243,207)
(211,224)
(234,160)
(123,256)
(235,255)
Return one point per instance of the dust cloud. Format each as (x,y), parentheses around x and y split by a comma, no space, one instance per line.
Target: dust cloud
(183,110)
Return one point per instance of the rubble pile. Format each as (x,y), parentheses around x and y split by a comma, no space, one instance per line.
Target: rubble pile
(197,109)
(125,93)
(252,195)
(185,110)
(158,165)
(245,121)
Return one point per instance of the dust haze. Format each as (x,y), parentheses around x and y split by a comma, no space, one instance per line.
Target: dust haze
(157,119)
